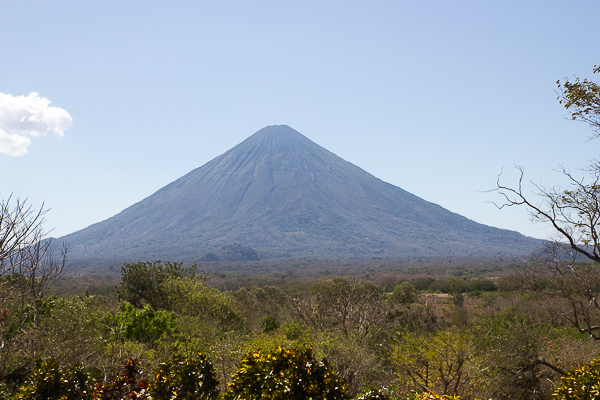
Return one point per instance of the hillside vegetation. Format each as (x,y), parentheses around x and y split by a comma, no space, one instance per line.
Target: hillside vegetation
(464,333)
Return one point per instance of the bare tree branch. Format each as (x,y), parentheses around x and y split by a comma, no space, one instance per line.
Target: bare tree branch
(20,228)
(574,213)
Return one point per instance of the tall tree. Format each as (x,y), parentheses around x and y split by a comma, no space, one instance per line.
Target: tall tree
(574,213)
(144,282)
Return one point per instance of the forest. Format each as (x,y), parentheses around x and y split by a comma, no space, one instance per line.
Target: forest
(162,330)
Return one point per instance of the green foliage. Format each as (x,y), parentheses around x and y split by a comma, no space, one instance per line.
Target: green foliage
(582,99)
(502,352)
(269,324)
(48,382)
(441,362)
(178,378)
(581,383)
(43,383)
(143,282)
(514,345)
(417,317)
(422,283)
(192,297)
(285,374)
(293,330)
(481,285)
(76,383)
(73,331)
(142,325)
(455,286)
(405,293)
(184,378)
(5,393)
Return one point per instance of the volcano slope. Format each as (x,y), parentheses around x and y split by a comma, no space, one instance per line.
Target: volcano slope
(287,197)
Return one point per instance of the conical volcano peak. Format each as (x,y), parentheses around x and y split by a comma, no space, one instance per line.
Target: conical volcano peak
(285,196)
(272,142)
(277,130)
(280,133)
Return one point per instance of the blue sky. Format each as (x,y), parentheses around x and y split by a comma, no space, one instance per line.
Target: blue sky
(435,97)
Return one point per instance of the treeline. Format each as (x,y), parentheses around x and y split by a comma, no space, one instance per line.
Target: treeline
(168,333)
(233,275)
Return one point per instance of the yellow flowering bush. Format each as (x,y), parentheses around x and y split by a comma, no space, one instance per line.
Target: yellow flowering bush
(184,378)
(582,383)
(291,374)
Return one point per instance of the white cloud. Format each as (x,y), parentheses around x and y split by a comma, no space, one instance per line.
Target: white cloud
(25,116)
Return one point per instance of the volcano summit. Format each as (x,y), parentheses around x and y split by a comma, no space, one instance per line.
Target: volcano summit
(286,197)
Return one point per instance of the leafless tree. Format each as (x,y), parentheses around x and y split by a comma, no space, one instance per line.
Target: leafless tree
(21,226)
(303,307)
(29,264)
(28,261)
(36,268)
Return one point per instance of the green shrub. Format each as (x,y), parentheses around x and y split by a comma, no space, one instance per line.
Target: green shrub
(289,374)
(193,297)
(405,293)
(48,382)
(184,378)
(294,330)
(5,393)
(144,325)
(144,282)
(269,324)
(582,383)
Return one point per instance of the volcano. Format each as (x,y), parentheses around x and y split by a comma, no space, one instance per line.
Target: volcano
(284,196)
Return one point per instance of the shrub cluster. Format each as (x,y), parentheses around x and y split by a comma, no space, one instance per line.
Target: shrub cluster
(281,374)
(290,374)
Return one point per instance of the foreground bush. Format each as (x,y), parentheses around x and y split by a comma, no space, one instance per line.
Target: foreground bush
(178,378)
(48,382)
(125,385)
(184,378)
(290,374)
(581,383)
